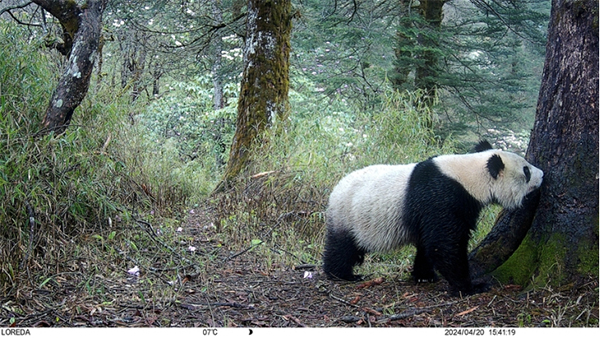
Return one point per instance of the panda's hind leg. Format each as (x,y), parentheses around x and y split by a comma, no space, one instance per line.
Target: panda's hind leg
(341,254)
(423,268)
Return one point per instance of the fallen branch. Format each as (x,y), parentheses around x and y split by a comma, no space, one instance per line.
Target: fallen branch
(342,301)
(210,305)
(414,312)
(467,311)
(294,319)
(152,234)
(242,252)
(305,267)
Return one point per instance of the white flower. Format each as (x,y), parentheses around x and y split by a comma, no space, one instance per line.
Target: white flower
(134,271)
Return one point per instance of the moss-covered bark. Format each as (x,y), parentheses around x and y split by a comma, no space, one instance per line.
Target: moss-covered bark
(84,26)
(562,243)
(505,237)
(265,81)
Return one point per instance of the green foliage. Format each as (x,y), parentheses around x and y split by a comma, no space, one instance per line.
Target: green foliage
(345,50)
(185,117)
(50,188)
(57,190)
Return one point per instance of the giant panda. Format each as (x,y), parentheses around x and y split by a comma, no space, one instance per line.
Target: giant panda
(433,205)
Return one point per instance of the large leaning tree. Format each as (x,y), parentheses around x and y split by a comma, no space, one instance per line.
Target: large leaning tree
(265,80)
(557,242)
(82,27)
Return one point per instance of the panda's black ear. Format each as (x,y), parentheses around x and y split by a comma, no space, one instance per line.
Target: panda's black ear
(495,165)
(482,146)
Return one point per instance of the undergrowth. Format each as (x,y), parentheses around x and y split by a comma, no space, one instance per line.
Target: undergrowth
(63,198)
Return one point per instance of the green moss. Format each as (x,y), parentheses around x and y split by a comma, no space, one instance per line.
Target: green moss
(552,255)
(519,268)
(536,263)
(587,254)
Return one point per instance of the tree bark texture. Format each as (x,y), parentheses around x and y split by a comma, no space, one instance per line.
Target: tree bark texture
(265,80)
(67,12)
(134,54)
(427,68)
(86,23)
(418,46)
(403,64)
(561,244)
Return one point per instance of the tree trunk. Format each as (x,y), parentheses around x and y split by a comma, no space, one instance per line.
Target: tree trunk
(405,46)
(218,96)
(265,80)
(427,69)
(84,25)
(561,243)
(418,52)
(67,13)
(134,61)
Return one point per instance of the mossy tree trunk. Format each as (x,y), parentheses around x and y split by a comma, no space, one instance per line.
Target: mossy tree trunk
(82,26)
(417,48)
(265,80)
(217,79)
(557,243)
(427,68)
(418,51)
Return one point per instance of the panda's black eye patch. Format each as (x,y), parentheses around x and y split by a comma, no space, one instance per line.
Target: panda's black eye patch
(527,173)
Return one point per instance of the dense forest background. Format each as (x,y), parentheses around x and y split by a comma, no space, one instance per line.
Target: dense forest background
(369,82)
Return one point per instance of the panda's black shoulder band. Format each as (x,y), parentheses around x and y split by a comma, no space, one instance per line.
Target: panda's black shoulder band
(495,165)
(483,145)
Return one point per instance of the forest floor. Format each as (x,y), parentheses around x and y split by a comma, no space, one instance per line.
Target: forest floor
(242,290)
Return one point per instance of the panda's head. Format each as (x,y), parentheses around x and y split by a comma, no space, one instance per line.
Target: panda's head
(493,175)
(511,176)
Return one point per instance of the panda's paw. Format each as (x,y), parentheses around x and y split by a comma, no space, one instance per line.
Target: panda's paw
(425,278)
(345,277)
(479,286)
(475,288)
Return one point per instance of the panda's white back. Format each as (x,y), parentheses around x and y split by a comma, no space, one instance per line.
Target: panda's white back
(362,197)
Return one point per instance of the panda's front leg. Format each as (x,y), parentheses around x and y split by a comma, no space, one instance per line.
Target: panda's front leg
(454,266)
(456,271)
(447,251)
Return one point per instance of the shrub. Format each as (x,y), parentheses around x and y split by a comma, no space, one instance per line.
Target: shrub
(58,191)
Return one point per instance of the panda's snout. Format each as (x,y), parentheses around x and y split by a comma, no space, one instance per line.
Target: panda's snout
(537,179)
